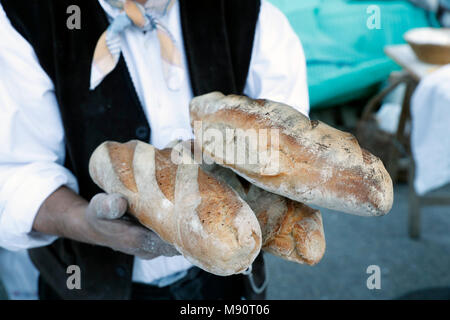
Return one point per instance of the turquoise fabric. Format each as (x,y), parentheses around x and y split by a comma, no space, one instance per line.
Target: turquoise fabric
(344,57)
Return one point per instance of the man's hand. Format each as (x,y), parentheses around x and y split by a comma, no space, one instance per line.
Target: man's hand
(99,222)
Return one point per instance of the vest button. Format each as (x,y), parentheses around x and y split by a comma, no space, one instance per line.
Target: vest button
(142,133)
(121,272)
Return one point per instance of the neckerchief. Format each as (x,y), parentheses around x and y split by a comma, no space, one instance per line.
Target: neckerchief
(146,18)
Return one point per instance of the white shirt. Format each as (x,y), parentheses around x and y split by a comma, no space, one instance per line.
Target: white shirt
(32,149)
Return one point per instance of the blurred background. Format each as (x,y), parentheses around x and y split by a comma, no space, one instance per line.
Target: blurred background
(366,78)
(373,71)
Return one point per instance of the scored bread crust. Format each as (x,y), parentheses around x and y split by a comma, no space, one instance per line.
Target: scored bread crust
(290,229)
(317,164)
(202,217)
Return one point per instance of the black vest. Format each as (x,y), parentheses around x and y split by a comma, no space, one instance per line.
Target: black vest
(218,37)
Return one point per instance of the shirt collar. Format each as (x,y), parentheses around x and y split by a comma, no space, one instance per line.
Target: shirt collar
(157,8)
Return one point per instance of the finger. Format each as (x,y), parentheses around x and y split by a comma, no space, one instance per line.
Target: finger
(133,239)
(147,255)
(138,241)
(170,251)
(116,206)
(108,206)
(152,243)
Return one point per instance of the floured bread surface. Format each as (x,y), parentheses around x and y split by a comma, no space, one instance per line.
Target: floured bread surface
(316,164)
(290,230)
(202,217)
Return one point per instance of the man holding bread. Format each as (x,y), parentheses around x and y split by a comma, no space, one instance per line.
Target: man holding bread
(128,72)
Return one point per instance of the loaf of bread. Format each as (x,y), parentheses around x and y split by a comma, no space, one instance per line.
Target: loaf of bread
(201,216)
(290,229)
(306,161)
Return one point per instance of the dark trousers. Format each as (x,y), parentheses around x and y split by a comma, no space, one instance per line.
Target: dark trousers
(196,285)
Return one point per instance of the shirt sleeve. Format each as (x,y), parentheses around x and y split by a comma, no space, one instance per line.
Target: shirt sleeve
(31,138)
(278,66)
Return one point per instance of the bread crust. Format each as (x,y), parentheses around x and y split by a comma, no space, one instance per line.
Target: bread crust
(290,229)
(317,164)
(202,217)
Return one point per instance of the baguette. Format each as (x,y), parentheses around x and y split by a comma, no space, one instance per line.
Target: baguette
(312,162)
(290,229)
(202,217)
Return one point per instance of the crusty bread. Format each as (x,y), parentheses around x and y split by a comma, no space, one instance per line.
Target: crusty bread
(202,217)
(290,229)
(313,163)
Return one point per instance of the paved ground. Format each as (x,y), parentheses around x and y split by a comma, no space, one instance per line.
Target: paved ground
(354,243)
